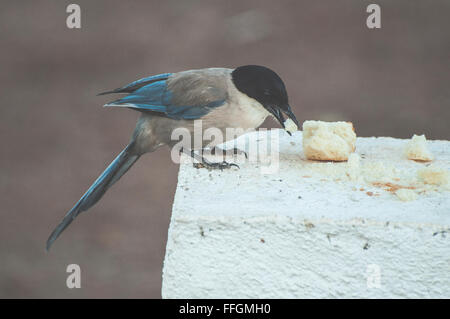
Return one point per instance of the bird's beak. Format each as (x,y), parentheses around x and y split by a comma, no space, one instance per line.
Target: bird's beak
(278,114)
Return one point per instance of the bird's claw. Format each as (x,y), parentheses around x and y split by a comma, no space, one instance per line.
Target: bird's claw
(237,151)
(221,165)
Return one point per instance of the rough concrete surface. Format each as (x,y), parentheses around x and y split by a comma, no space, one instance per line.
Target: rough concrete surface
(309,229)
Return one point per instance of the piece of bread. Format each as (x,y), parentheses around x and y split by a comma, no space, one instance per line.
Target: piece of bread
(406,195)
(434,175)
(416,149)
(328,141)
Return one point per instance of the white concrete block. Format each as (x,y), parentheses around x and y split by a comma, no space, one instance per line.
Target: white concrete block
(311,229)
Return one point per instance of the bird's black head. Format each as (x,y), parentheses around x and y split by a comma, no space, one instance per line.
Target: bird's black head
(266,87)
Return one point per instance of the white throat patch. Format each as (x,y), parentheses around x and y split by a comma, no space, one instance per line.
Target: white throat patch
(252,111)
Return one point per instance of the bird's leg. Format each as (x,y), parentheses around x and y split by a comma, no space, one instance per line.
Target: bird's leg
(203,162)
(233,151)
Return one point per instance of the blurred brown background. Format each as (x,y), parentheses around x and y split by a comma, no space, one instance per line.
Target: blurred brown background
(56,138)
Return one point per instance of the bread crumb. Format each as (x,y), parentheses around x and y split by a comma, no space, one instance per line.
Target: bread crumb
(406,194)
(433,175)
(290,126)
(328,141)
(377,172)
(353,166)
(416,149)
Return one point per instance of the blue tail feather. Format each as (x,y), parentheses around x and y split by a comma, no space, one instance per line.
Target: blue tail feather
(110,175)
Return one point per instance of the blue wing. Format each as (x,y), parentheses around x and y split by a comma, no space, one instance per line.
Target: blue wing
(191,100)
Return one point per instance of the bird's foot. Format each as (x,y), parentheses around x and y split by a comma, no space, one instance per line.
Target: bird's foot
(221,165)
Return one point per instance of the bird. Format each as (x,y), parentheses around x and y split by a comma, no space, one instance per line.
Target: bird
(221,98)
